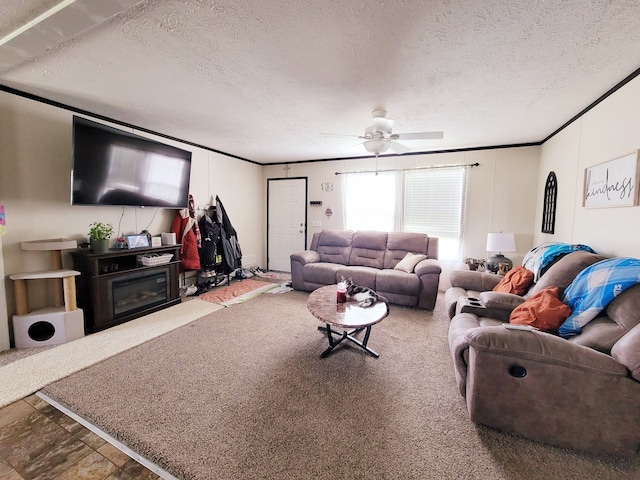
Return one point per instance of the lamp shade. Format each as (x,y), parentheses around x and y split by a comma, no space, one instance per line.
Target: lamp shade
(501,242)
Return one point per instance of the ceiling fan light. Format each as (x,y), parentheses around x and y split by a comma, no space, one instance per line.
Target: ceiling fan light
(376,146)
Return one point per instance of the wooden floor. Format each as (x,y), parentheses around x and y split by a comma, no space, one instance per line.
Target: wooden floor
(38,442)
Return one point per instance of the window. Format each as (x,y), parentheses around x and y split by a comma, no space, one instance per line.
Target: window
(427,201)
(434,201)
(549,206)
(370,201)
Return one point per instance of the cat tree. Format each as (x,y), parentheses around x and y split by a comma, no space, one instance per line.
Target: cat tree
(51,325)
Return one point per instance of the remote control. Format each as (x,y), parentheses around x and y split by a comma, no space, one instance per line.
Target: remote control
(515,326)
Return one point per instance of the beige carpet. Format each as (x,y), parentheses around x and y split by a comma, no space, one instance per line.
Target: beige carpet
(243,393)
(30,373)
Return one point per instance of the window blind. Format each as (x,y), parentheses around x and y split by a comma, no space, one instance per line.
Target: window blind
(434,202)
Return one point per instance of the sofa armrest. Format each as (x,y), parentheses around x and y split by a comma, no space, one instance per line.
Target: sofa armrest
(499,305)
(474,280)
(298,261)
(428,271)
(627,351)
(308,256)
(429,265)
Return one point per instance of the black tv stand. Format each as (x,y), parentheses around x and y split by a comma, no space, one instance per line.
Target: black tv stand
(114,287)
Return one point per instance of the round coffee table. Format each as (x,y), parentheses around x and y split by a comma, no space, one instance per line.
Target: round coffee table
(349,316)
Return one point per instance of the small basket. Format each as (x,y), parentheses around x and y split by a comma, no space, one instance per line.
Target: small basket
(153,259)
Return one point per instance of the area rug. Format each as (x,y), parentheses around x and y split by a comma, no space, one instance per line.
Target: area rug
(275,276)
(237,292)
(243,393)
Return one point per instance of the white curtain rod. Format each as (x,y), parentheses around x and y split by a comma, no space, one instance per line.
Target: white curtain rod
(413,168)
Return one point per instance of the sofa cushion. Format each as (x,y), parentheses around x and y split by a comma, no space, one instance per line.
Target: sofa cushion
(621,315)
(516,281)
(399,243)
(600,334)
(409,262)
(334,246)
(368,248)
(562,273)
(397,281)
(321,273)
(627,351)
(364,276)
(544,311)
(625,308)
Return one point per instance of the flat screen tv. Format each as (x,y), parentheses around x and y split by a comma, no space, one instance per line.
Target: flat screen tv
(114,167)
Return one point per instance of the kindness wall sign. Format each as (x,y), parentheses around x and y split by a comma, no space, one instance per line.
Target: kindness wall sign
(613,183)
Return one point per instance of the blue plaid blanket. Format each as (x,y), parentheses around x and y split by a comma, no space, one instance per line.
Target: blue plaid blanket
(593,289)
(542,255)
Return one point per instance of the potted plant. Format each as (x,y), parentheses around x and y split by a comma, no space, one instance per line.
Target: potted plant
(99,234)
(474,263)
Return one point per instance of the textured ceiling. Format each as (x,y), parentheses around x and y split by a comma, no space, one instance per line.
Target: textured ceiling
(262,79)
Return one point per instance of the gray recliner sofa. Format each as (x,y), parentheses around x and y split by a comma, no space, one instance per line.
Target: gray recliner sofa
(370,259)
(582,392)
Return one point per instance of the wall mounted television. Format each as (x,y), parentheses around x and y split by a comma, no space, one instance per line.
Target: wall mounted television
(117,168)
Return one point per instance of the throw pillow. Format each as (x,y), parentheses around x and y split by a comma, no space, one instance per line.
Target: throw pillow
(516,281)
(409,262)
(544,310)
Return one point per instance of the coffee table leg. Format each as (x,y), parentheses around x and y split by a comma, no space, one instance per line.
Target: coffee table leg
(332,343)
(364,342)
(348,335)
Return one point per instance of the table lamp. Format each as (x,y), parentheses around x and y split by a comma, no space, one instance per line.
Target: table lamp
(500,242)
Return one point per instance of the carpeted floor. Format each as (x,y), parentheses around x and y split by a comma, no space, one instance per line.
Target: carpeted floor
(28,370)
(243,393)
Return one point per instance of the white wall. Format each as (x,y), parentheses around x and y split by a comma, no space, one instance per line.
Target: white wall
(606,132)
(35,183)
(501,195)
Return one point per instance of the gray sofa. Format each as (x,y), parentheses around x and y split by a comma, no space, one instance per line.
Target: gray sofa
(369,259)
(581,393)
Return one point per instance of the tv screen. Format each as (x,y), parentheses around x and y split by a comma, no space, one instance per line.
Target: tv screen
(113,167)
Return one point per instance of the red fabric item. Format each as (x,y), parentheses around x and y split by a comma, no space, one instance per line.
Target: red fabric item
(544,310)
(182,226)
(516,281)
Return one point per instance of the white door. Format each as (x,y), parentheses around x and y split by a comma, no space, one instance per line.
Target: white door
(286,221)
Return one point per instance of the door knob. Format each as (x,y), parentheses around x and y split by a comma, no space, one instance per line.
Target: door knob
(301,231)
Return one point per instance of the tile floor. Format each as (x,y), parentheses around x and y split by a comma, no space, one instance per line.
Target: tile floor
(37,441)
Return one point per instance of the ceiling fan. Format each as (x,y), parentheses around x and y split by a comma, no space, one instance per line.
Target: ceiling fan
(378,138)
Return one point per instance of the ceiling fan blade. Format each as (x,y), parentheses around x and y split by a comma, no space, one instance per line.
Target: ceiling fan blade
(352,147)
(338,135)
(398,147)
(421,136)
